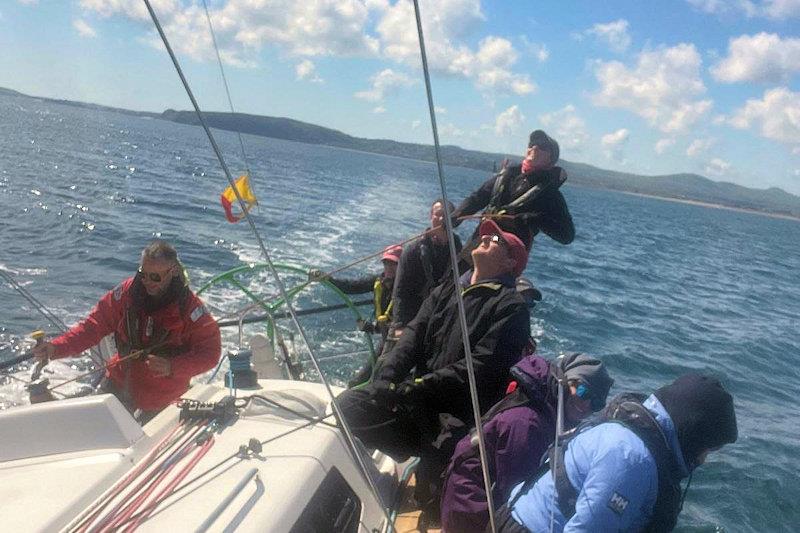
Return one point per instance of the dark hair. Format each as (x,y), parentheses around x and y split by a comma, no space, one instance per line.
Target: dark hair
(160,250)
(450,205)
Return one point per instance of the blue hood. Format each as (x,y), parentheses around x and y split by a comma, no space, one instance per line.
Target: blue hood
(668,427)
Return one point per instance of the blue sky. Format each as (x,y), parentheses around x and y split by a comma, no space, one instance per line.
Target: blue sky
(705,86)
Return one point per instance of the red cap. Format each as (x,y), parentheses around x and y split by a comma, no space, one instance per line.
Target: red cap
(516,248)
(392,253)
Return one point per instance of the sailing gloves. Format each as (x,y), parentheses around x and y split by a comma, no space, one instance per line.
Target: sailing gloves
(407,392)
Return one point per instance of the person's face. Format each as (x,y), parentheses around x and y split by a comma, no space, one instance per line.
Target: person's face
(704,455)
(437,215)
(575,408)
(389,269)
(493,256)
(156,275)
(539,158)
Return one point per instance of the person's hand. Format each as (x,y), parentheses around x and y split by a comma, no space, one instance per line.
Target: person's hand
(316,274)
(159,366)
(384,392)
(455,221)
(44,351)
(365,326)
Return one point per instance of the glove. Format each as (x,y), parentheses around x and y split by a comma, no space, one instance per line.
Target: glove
(413,391)
(365,326)
(316,274)
(384,392)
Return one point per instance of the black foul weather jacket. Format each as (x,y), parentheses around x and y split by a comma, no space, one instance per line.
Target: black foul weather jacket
(547,211)
(422,266)
(499,327)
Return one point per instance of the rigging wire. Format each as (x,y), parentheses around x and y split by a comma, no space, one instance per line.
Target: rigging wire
(456,281)
(349,437)
(51,317)
(225,82)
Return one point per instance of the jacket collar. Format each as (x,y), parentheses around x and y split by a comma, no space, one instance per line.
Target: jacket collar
(668,427)
(506,280)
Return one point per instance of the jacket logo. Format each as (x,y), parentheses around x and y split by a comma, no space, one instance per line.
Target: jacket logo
(197,313)
(617,503)
(118,292)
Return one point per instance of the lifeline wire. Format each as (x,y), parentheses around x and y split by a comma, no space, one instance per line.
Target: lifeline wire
(456,282)
(225,82)
(336,411)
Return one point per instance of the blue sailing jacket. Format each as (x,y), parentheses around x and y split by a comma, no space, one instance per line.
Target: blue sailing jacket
(614,474)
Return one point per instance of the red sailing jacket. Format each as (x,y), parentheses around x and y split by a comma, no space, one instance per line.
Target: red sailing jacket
(191,333)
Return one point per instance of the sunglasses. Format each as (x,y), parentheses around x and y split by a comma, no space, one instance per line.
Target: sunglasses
(583,392)
(495,238)
(155,277)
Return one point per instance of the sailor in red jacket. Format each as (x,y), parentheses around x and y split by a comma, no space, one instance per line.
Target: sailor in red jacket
(154,311)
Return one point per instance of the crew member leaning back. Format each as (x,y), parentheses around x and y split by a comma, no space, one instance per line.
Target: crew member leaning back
(153,311)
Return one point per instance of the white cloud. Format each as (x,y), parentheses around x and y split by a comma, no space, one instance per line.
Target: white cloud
(567,127)
(763,57)
(415,124)
(446,23)
(379,109)
(699,146)
(450,130)
(536,50)
(616,138)
(614,34)
(661,87)
(83,28)
(509,121)
(776,116)
(440,110)
(614,144)
(772,9)
(306,70)
(243,27)
(383,83)
(717,167)
(663,144)
(28,2)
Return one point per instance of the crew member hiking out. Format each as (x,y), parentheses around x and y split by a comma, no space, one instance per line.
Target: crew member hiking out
(156,313)
(529,193)
(419,400)
(621,471)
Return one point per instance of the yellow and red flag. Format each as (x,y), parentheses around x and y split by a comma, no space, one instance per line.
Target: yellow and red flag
(228,198)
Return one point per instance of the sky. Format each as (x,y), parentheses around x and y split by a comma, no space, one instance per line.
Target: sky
(703,86)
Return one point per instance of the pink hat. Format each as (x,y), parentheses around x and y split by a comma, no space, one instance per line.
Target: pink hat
(517,250)
(392,253)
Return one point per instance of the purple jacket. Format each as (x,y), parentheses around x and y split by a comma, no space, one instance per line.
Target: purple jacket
(515,438)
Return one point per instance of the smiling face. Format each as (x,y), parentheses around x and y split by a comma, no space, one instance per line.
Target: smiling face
(437,215)
(156,275)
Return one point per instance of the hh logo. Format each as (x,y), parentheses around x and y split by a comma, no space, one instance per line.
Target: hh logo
(617,503)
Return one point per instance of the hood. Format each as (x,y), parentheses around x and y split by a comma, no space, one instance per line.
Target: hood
(668,427)
(702,412)
(531,374)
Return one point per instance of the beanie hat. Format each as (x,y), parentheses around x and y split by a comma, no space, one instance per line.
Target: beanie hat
(703,414)
(545,142)
(589,371)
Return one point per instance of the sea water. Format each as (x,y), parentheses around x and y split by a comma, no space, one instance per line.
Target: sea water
(654,288)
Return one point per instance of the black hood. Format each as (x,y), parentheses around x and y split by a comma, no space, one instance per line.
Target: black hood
(703,414)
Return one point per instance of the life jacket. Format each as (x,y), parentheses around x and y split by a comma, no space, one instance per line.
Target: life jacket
(382,316)
(135,331)
(523,202)
(625,409)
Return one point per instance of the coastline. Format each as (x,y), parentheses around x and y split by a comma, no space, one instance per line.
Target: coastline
(710,205)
